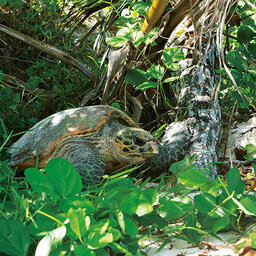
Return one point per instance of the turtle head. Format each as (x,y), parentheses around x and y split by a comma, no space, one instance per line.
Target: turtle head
(134,145)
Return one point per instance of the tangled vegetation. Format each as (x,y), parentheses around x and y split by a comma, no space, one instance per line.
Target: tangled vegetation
(51,208)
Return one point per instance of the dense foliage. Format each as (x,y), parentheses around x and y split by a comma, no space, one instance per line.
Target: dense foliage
(60,218)
(51,208)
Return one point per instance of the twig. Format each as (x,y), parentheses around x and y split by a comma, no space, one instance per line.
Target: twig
(228,129)
(237,163)
(49,49)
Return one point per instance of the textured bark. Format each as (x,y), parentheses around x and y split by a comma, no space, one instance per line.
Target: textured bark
(200,110)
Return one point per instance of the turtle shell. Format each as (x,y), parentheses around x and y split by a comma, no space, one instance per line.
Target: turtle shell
(43,137)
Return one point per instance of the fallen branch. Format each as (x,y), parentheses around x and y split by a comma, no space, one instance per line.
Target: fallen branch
(15,82)
(48,49)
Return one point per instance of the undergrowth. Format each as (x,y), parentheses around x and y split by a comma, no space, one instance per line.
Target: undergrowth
(51,212)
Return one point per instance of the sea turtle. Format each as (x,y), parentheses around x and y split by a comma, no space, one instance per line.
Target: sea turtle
(92,138)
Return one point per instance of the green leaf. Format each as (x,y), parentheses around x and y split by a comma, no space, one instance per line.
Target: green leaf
(234,181)
(212,187)
(117,41)
(235,60)
(205,203)
(152,219)
(138,202)
(253,240)
(172,55)
(14,238)
(245,34)
(252,71)
(64,177)
(97,240)
(141,7)
(242,101)
(77,202)
(252,50)
(136,77)
(249,205)
(174,209)
(79,222)
(156,72)
(127,224)
(52,239)
(40,183)
(250,151)
(177,167)
(192,234)
(148,84)
(115,233)
(125,32)
(122,182)
(80,250)
(170,79)
(193,177)
(220,224)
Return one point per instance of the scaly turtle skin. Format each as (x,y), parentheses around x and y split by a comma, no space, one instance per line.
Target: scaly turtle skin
(93,139)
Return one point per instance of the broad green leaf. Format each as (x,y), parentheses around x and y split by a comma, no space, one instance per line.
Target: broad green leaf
(117,41)
(138,37)
(141,7)
(136,77)
(152,219)
(64,177)
(44,223)
(14,238)
(122,182)
(81,250)
(249,205)
(235,60)
(101,226)
(220,224)
(250,151)
(79,222)
(177,167)
(127,224)
(252,71)
(119,248)
(172,210)
(212,187)
(242,101)
(76,202)
(125,32)
(156,72)
(146,85)
(138,202)
(253,240)
(40,183)
(172,55)
(52,239)
(234,181)
(252,50)
(193,177)
(192,234)
(115,233)
(170,79)
(97,240)
(245,34)
(205,203)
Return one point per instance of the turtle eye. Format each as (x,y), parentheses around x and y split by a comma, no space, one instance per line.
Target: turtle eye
(138,141)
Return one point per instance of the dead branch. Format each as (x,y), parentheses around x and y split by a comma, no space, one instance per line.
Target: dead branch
(48,49)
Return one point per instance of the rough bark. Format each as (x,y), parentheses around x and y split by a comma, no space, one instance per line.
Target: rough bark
(200,110)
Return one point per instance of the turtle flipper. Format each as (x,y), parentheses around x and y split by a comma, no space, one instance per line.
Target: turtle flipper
(86,161)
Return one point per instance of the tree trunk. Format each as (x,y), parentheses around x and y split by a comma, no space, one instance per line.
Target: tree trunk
(199,109)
